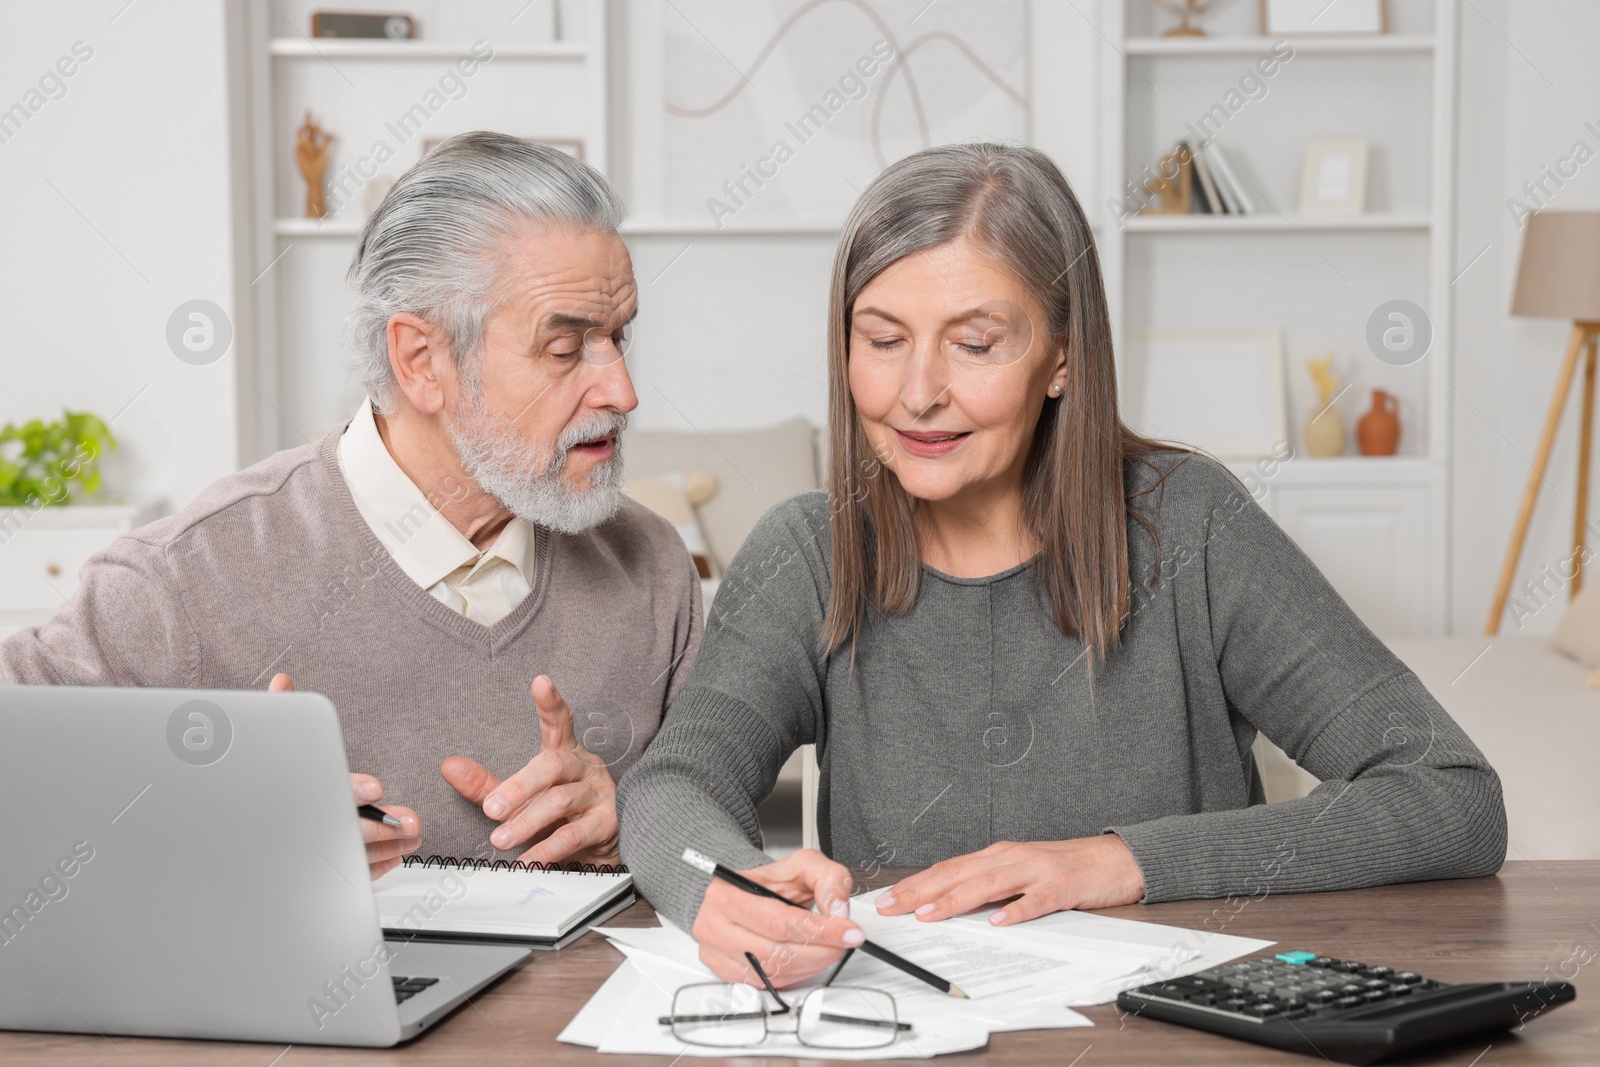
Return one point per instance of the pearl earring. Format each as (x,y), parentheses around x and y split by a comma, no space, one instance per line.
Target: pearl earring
(1055,390)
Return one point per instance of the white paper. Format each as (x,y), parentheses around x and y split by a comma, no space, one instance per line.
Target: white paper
(670,946)
(635,1027)
(1178,951)
(594,1019)
(1018,978)
(990,964)
(665,941)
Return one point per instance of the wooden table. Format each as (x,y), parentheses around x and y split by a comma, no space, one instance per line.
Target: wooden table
(1531,921)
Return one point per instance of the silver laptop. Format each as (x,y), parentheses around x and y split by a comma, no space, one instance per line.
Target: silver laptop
(184,863)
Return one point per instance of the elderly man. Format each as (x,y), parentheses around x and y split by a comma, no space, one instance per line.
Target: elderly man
(463,536)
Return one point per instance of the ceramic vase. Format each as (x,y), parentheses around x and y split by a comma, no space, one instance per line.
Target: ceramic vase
(1378,433)
(1324,432)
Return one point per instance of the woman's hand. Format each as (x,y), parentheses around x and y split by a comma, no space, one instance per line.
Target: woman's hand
(791,944)
(1044,876)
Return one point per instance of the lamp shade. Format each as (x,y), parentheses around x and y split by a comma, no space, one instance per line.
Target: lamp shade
(1560,272)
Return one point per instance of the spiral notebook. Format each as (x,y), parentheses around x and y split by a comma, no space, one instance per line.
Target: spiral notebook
(507,901)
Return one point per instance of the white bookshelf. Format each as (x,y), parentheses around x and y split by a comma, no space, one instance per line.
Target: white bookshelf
(1271,223)
(648,227)
(1377,526)
(345,228)
(1244,45)
(547,78)
(335,48)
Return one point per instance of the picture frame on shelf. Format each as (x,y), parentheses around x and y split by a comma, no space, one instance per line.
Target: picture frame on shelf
(572,146)
(1219,390)
(1324,18)
(1333,178)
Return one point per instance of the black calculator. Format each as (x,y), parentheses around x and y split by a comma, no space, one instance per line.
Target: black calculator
(1339,1009)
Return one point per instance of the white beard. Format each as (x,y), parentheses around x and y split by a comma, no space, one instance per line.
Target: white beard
(531,481)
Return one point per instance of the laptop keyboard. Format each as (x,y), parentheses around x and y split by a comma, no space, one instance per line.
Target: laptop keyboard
(406,988)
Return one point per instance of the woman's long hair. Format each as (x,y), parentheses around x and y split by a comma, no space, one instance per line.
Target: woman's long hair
(1012,203)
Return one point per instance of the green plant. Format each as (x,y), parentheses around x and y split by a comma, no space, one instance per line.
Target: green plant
(48,464)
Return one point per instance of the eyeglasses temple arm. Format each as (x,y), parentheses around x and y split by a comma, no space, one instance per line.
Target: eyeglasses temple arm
(784,1006)
(853,1021)
(668,1020)
(838,967)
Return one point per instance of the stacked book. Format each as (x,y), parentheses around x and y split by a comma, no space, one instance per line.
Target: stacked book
(1216,187)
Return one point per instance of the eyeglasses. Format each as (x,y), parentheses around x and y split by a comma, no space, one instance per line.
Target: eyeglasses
(726,1015)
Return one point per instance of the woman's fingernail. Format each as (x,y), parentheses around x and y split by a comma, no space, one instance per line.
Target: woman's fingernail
(925,909)
(840,907)
(854,936)
(495,806)
(886,900)
(369,790)
(998,917)
(500,838)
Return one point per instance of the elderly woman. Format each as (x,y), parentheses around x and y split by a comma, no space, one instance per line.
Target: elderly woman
(1032,647)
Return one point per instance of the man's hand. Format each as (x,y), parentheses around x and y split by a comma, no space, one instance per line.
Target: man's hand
(790,944)
(1044,876)
(385,843)
(563,802)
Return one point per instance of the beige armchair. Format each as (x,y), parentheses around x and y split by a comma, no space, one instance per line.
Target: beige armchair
(754,470)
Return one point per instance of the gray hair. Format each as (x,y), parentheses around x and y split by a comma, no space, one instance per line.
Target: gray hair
(1010,199)
(1015,206)
(433,247)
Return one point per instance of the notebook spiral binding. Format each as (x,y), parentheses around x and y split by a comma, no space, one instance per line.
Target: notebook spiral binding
(437,860)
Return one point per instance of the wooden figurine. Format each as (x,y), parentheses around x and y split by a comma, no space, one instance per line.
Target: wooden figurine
(1325,434)
(1185,10)
(311,156)
(1173,192)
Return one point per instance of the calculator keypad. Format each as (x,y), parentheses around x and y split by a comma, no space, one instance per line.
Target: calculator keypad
(1292,986)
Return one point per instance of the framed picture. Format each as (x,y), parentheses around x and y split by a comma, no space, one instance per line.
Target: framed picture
(572,146)
(1219,390)
(1291,18)
(1334,178)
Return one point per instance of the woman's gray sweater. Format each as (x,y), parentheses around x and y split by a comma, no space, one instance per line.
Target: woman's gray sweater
(972,719)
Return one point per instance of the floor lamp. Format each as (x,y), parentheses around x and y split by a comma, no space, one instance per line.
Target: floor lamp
(1559,277)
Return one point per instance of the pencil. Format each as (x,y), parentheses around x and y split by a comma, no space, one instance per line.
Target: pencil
(878,952)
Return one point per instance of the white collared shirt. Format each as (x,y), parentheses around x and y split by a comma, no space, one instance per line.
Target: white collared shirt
(482,585)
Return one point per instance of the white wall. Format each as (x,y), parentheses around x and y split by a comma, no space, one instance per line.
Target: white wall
(117,207)
(1529,83)
(731,335)
(115,200)
(732,326)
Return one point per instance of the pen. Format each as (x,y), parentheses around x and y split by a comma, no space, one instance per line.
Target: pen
(367,811)
(878,952)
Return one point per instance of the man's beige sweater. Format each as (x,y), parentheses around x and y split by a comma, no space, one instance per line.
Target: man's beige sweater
(273,569)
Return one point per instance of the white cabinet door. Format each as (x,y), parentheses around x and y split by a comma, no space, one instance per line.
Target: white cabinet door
(42,550)
(1372,544)
(39,565)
